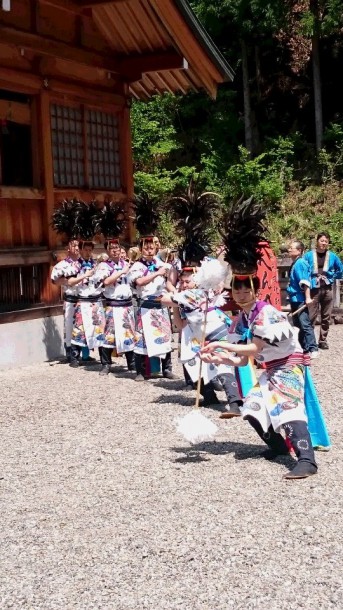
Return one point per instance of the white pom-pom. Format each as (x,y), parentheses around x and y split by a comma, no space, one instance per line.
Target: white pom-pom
(211,273)
(196,428)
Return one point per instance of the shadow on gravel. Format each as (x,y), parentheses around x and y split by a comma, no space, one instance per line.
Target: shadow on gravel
(55,361)
(240,451)
(183,401)
(116,371)
(192,456)
(177,385)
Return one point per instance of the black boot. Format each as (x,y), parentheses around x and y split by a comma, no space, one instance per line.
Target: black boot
(275,441)
(167,367)
(209,396)
(216,384)
(105,354)
(130,361)
(234,401)
(188,379)
(140,367)
(299,436)
(68,352)
(75,352)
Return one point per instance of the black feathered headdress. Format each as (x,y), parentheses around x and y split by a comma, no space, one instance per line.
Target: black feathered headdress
(76,219)
(63,219)
(242,230)
(145,209)
(194,213)
(86,218)
(111,220)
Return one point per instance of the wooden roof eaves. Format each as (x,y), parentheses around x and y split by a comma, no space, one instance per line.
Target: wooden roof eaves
(143,26)
(181,35)
(205,40)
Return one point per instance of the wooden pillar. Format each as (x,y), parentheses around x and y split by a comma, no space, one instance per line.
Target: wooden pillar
(126,160)
(51,293)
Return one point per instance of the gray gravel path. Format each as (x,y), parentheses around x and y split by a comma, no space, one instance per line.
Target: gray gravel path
(103,506)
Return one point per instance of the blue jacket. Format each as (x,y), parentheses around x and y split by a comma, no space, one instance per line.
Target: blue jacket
(332,270)
(299,277)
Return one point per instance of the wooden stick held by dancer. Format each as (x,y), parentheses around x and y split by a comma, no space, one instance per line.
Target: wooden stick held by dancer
(197,399)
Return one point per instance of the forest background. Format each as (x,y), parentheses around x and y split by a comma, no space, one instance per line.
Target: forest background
(276,132)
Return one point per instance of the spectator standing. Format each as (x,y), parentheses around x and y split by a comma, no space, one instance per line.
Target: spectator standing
(325,267)
(299,295)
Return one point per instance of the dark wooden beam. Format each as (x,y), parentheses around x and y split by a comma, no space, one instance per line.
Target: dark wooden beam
(95,3)
(47,46)
(66,5)
(134,66)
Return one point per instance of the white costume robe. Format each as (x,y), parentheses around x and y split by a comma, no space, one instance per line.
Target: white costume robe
(153,329)
(68,268)
(119,314)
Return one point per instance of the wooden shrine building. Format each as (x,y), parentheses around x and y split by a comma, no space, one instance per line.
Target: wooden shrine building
(68,72)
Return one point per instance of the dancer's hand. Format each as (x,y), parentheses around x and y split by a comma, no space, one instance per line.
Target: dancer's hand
(89,273)
(212,358)
(126,269)
(162,271)
(218,345)
(221,358)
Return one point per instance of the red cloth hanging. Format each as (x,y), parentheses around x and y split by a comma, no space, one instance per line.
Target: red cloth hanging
(268,275)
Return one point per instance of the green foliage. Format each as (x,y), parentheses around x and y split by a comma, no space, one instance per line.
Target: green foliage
(266,176)
(153,132)
(156,183)
(324,17)
(303,214)
(175,137)
(166,230)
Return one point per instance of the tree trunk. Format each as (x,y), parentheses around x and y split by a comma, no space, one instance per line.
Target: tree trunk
(258,73)
(317,93)
(246,98)
(317,89)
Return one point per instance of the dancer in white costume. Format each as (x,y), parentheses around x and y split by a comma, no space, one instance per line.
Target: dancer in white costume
(276,403)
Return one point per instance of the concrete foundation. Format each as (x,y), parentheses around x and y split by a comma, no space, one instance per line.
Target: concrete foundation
(31,341)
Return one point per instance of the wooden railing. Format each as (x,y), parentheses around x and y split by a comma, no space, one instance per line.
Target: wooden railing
(22,287)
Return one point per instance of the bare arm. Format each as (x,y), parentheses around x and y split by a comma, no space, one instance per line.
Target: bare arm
(61,281)
(224,358)
(241,349)
(179,323)
(167,301)
(146,279)
(114,277)
(172,280)
(72,281)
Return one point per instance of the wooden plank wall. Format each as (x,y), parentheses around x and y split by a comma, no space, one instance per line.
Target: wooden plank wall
(21,223)
(25,213)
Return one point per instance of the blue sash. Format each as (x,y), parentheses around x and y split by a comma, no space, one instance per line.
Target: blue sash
(316,423)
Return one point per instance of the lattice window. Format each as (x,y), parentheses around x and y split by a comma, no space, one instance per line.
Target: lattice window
(21,287)
(85,147)
(103,150)
(67,145)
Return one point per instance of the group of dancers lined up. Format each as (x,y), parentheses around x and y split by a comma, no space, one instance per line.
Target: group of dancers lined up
(214,346)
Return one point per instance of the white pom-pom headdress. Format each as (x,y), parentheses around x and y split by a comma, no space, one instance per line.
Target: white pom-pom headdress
(210,275)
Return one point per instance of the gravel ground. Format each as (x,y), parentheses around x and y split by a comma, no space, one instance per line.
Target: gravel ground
(103,506)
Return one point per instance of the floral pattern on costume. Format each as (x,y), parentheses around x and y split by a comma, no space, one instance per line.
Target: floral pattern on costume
(161,326)
(97,318)
(139,335)
(125,339)
(278,397)
(153,332)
